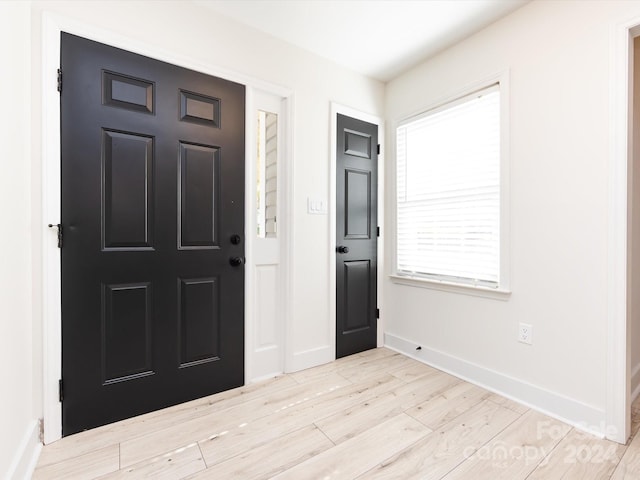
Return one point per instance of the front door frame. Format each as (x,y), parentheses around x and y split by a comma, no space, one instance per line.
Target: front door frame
(52,26)
(336,109)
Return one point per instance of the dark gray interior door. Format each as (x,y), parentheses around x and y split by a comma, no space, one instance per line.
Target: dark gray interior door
(152,215)
(356,231)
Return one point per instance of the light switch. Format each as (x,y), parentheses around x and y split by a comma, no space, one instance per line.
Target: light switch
(316,206)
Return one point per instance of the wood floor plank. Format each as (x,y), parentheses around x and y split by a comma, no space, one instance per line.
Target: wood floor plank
(101,437)
(216,423)
(414,371)
(240,440)
(359,454)
(515,452)
(376,353)
(343,363)
(369,368)
(425,388)
(86,466)
(355,420)
(352,421)
(311,374)
(446,406)
(441,451)
(177,464)
(272,458)
(508,403)
(580,456)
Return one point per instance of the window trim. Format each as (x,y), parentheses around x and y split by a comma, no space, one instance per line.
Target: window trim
(503,289)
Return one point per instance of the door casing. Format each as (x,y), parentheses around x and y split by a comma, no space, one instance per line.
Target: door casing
(336,109)
(52,26)
(618,363)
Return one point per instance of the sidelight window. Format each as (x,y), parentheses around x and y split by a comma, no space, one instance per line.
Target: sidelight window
(449,192)
(267,174)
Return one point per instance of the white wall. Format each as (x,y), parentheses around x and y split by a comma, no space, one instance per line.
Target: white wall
(20,401)
(558,56)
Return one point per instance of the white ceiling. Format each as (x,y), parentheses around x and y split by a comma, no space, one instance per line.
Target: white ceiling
(378,38)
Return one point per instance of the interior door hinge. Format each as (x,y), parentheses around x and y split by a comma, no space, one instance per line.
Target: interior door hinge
(377,231)
(378,144)
(60,80)
(377,313)
(60,391)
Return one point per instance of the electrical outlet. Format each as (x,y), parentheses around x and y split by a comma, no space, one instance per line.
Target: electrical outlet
(525,333)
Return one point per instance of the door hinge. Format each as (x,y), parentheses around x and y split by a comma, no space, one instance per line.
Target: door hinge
(377,231)
(378,144)
(59,227)
(60,391)
(41,430)
(60,80)
(377,313)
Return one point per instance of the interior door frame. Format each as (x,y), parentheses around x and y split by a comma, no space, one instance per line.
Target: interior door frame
(336,109)
(52,26)
(618,364)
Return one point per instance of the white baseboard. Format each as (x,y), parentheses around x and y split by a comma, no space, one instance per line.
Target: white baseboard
(27,454)
(580,415)
(310,358)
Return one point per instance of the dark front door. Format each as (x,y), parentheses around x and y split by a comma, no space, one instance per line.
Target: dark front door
(153,229)
(356,230)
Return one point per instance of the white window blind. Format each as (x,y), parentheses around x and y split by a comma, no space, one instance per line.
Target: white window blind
(448,187)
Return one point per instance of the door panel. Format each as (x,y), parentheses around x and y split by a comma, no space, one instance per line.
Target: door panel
(356,230)
(357,213)
(126,92)
(127,201)
(152,176)
(126,331)
(199,321)
(199,177)
(357,274)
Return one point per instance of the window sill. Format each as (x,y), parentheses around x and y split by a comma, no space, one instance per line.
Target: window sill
(477,291)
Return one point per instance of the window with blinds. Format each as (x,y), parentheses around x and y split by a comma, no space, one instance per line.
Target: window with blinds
(448,187)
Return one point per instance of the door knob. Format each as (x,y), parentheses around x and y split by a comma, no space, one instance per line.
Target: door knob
(342,249)
(236,261)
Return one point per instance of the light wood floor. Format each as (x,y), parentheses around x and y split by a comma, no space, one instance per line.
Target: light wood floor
(374,415)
